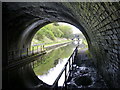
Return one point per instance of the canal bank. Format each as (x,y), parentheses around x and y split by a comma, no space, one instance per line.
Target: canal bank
(51,64)
(83,75)
(56,45)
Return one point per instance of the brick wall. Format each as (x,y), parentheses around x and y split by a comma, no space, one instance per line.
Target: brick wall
(101,21)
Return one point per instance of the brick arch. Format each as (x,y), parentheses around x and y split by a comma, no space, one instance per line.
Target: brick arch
(99,22)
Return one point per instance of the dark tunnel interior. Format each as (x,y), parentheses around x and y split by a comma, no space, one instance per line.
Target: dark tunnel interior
(98,21)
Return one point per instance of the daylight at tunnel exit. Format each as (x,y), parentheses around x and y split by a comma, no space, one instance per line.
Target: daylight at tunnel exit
(60,45)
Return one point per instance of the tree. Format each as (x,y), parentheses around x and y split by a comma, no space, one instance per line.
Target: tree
(53,31)
(66,30)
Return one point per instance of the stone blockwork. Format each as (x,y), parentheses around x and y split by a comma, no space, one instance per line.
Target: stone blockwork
(99,22)
(102,24)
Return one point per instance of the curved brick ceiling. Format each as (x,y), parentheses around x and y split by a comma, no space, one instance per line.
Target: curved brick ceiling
(99,22)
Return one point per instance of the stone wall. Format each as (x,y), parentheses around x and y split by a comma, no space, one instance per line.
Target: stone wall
(99,22)
(102,24)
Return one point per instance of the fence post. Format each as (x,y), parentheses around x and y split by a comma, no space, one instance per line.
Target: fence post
(27,51)
(73,57)
(43,47)
(56,86)
(65,77)
(33,64)
(69,65)
(76,52)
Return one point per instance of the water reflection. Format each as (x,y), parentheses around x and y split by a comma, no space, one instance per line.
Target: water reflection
(48,67)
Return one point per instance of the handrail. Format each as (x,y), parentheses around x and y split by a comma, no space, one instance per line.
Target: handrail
(56,81)
(24,52)
(19,54)
(55,84)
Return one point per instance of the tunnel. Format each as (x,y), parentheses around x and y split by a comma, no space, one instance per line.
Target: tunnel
(98,21)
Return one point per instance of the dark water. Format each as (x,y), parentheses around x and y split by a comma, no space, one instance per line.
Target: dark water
(50,65)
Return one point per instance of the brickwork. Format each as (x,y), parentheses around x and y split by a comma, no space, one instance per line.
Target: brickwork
(102,23)
(99,22)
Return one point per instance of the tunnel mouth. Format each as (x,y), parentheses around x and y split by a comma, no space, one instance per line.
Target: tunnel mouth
(83,81)
(47,38)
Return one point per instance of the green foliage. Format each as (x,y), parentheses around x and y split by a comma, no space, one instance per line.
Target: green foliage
(44,32)
(67,31)
(52,32)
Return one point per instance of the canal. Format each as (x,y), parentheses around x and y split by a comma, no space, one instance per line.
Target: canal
(49,66)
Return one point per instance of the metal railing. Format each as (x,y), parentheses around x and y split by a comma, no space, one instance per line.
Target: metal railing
(18,54)
(66,70)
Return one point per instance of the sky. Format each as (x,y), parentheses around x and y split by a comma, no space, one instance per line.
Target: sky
(75,30)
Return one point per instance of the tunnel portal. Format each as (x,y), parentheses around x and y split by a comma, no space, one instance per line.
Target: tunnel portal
(99,22)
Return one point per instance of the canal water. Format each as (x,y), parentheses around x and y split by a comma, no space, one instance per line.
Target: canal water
(48,67)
